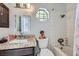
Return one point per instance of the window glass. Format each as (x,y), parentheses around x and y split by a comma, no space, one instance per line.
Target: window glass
(42,14)
(22,24)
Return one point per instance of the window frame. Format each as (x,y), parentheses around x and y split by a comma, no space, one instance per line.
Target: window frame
(17,19)
(45,13)
(29,23)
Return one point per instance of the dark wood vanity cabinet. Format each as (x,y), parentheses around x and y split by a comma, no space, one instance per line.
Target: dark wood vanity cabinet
(27,51)
(4,16)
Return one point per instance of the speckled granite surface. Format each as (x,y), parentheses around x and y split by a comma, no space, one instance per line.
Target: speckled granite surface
(17,44)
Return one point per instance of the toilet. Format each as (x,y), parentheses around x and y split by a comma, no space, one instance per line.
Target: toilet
(44,51)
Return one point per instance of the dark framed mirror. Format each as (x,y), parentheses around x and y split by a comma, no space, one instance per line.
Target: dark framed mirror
(4,16)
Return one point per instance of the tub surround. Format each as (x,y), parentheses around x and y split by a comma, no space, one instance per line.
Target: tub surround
(66,51)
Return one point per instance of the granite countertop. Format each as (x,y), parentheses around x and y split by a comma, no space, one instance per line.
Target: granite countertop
(17,44)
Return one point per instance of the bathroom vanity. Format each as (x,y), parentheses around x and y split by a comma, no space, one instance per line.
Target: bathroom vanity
(18,48)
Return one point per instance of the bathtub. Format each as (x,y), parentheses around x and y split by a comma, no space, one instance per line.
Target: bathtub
(66,51)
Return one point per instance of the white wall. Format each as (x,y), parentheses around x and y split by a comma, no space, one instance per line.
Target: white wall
(55,27)
(12,12)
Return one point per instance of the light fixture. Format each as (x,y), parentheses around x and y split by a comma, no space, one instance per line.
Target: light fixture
(28,5)
(23,5)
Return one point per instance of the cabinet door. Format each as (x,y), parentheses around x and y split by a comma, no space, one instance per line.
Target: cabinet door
(17,52)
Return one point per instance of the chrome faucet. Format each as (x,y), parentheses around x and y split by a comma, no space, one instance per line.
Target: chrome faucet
(60,41)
